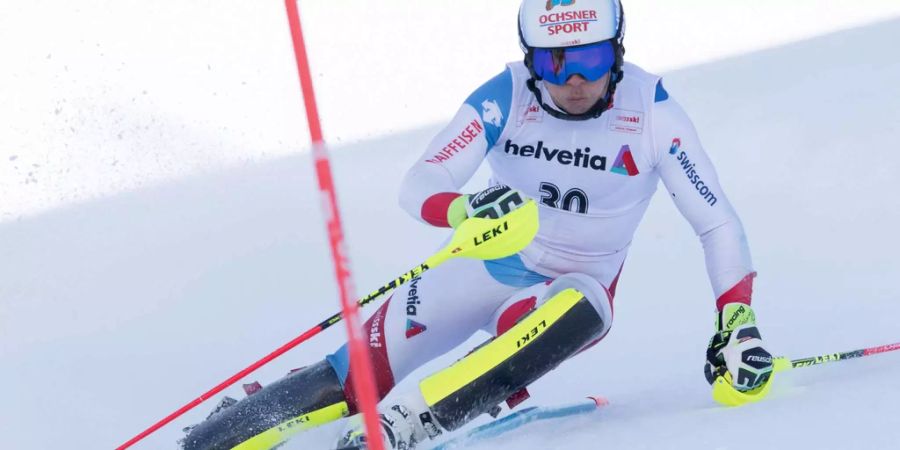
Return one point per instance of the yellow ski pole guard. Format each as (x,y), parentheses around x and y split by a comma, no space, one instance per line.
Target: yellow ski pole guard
(725,394)
(487,239)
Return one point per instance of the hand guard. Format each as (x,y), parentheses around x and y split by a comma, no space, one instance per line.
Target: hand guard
(736,350)
(492,203)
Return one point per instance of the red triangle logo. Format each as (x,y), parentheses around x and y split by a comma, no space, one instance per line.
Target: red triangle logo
(414,328)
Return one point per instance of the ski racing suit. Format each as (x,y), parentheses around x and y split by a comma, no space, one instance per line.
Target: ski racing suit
(593,179)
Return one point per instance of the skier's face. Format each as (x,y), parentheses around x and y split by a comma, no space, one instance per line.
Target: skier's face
(578,95)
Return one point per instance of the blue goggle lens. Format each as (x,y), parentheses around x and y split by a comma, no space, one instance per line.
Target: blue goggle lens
(590,61)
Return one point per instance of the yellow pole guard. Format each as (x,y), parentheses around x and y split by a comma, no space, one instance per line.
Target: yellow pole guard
(284,431)
(725,394)
(487,239)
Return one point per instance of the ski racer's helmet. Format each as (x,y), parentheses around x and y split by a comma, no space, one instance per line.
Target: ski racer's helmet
(562,38)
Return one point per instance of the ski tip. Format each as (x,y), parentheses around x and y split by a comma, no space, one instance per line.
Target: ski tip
(599,401)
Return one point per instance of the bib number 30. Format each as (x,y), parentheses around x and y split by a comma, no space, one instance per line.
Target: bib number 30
(574,200)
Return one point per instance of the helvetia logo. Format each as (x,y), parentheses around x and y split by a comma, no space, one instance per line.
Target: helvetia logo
(412,297)
(624,164)
(579,158)
(414,328)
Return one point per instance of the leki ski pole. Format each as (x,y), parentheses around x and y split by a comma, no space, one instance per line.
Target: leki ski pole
(476,238)
(725,394)
(835,357)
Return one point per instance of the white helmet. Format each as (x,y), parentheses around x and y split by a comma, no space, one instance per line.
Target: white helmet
(561,24)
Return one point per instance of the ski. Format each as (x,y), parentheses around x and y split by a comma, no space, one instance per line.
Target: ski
(518,419)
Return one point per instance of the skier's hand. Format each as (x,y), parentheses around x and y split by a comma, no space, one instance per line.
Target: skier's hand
(492,203)
(737,349)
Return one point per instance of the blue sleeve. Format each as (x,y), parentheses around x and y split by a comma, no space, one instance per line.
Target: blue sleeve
(493,101)
(661,93)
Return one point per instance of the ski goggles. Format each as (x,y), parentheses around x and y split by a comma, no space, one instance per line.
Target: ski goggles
(591,61)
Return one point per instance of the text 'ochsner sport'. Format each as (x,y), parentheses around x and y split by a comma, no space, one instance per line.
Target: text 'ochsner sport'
(568,22)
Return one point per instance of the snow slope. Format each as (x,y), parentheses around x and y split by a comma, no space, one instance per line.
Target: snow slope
(116,311)
(99,97)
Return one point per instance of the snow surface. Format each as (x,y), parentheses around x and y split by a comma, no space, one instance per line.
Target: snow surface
(116,311)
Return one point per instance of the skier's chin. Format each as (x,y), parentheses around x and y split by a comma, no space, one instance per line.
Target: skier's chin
(577,106)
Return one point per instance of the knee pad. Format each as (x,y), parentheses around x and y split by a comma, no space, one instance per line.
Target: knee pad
(526,300)
(595,293)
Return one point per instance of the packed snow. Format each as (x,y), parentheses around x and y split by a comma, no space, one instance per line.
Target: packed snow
(165,276)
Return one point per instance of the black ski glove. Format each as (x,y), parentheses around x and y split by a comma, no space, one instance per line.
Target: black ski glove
(493,202)
(736,350)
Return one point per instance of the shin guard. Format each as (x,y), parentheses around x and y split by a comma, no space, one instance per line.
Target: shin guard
(536,344)
(302,400)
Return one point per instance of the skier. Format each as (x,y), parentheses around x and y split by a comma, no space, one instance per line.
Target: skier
(589,136)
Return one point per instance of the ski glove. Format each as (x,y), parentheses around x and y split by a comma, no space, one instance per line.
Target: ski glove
(736,350)
(491,203)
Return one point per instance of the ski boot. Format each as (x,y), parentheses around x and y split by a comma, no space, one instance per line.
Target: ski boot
(302,400)
(403,425)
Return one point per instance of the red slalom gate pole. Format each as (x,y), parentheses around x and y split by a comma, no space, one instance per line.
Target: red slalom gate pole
(364,385)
